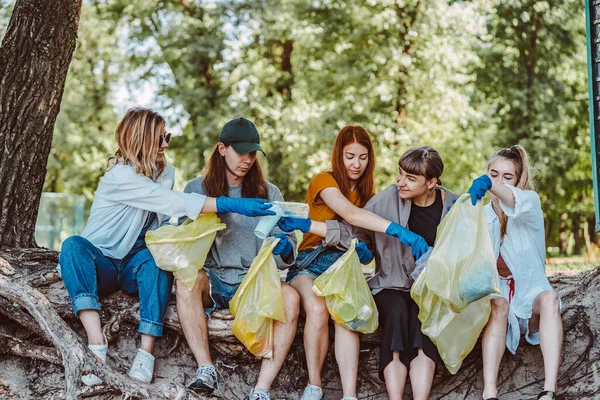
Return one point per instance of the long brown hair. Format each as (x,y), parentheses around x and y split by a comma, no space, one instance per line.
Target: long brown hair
(365,186)
(137,138)
(524,173)
(215,178)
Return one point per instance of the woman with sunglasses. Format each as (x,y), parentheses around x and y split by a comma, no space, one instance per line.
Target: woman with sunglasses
(134,195)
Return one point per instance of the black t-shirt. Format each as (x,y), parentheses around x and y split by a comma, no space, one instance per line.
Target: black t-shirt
(425,220)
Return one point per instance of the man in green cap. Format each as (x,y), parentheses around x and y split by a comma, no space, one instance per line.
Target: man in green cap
(242,135)
(233,171)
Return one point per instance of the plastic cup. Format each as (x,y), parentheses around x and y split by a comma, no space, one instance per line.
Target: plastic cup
(346,312)
(268,222)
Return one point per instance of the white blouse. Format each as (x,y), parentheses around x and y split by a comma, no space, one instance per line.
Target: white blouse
(524,251)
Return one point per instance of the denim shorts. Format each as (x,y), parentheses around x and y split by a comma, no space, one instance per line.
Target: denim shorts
(313,262)
(221,292)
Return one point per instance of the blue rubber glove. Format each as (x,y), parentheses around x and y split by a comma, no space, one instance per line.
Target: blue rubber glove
(364,254)
(479,187)
(418,245)
(248,207)
(284,247)
(290,224)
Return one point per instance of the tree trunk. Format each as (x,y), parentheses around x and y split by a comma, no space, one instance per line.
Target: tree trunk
(576,228)
(563,233)
(34,58)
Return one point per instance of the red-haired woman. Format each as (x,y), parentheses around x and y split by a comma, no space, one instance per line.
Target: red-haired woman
(334,195)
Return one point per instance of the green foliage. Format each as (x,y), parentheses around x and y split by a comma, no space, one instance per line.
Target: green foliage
(84,131)
(463,77)
(533,80)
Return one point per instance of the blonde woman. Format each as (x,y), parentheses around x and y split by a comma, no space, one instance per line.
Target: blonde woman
(528,305)
(134,195)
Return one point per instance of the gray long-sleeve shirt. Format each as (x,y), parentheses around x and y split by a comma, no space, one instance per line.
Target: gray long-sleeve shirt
(394,260)
(235,247)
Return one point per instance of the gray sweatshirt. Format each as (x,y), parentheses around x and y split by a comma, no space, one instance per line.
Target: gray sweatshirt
(394,260)
(236,246)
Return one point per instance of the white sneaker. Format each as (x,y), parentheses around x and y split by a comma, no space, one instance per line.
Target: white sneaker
(312,392)
(99,351)
(259,394)
(142,368)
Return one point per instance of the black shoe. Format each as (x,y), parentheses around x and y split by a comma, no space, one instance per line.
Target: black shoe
(548,393)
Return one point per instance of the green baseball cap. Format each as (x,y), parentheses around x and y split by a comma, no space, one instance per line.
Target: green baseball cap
(242,135)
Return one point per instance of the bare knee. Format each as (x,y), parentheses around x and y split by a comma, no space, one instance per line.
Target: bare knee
(200,287)
(317,312)
(500,308)
(291,300)
(548,301)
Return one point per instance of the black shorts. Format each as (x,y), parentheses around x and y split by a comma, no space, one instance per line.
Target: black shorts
(401,329)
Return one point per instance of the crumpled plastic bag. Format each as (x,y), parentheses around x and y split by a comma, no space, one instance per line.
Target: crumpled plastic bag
(257,302)
(183,249)
(453,333)
(421,263)
(347,294)
(452,292)
(462,266)
(292,209)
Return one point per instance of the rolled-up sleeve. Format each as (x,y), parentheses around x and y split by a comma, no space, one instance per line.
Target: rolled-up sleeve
(340,234)
(528,207)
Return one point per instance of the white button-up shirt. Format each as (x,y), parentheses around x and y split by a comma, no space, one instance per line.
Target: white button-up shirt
(123,201)
(524,251)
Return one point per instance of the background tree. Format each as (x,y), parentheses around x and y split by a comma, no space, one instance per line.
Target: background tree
(84,131)
(532,82)
(34,58)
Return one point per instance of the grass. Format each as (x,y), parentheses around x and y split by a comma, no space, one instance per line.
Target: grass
(569,265)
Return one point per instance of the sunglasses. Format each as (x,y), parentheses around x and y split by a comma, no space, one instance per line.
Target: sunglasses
(164,139)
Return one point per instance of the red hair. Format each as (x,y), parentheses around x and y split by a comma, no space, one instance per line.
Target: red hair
(365,186)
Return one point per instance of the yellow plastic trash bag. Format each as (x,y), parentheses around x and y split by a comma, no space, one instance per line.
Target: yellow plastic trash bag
(257,302)
(453,290)
(453,333)
(183,249)
(347,294)
(462,266)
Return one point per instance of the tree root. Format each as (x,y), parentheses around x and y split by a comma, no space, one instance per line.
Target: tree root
(76,358)
(20,348)
(42,313)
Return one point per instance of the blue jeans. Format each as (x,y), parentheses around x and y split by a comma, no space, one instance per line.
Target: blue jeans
(221,292)
(313,262)
(88,274)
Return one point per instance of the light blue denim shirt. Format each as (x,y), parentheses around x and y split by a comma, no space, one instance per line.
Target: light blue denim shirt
(122,202)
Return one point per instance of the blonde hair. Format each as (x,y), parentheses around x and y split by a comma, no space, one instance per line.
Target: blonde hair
(137,138)
(524,173)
